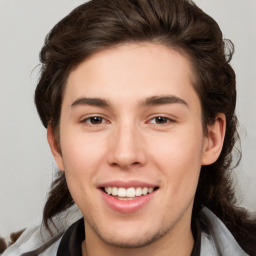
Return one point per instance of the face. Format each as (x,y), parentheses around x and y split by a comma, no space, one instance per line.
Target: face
(132,143)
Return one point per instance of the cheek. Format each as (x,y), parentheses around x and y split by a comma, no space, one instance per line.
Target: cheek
(82,157)
(178,157)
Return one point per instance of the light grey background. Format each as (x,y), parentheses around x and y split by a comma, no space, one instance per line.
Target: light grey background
(26,165)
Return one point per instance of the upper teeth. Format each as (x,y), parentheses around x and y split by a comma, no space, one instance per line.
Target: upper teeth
(129,192)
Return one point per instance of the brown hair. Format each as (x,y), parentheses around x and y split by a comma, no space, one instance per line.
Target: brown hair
(180,24)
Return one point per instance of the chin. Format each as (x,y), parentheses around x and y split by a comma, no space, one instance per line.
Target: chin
(135,238)
(131,242)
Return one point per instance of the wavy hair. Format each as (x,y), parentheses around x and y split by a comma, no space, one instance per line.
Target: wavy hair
(181,25)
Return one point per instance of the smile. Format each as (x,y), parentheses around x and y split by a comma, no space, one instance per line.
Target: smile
(128,200)
(128,193)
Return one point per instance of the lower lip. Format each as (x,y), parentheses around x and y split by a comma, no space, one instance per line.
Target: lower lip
(127,206)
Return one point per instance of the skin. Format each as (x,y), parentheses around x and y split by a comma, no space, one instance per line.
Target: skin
(128,142)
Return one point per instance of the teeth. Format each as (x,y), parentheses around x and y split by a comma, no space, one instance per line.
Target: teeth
(138,192)
(144,191)
(150,190)
(109,191)
(129,192)
(114,191)
(121,192)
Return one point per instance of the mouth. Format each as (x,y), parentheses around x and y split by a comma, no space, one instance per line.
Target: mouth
(130,193)
(128,197)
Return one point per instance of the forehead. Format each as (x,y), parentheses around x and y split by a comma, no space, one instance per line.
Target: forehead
(134,71)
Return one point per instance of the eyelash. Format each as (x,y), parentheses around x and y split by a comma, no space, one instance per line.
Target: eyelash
(165,119)
(91,119)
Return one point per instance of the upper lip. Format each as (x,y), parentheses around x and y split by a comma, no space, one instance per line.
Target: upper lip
(127,184)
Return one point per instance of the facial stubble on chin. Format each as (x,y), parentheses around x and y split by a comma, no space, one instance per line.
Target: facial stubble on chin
(138,242)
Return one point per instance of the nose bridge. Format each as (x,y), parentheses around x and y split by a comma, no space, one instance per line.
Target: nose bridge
(126,145)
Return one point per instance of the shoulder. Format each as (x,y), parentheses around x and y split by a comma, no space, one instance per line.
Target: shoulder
(216,239)
(33,238)
(37,240)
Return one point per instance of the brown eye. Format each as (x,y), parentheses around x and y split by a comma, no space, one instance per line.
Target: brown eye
(161,120)
(95,120)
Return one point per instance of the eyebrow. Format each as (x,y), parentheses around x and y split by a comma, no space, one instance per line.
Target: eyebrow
(98,102)
(161,100)
(151,101)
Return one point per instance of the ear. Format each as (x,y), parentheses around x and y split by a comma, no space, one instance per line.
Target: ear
(54,147)
(213,141)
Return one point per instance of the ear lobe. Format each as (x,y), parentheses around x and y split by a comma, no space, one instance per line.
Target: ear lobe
(54,147)
(213,142)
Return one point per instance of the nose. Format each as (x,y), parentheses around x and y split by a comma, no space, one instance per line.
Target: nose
(126,147)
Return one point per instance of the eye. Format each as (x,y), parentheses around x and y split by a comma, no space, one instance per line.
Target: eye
(94,120)
(160,120)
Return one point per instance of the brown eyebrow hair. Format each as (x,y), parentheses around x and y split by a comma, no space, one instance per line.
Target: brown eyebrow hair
(161,100)
(91,101)
(151,101)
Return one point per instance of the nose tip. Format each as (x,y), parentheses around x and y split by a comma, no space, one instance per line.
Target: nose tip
(125,161)
(126,149)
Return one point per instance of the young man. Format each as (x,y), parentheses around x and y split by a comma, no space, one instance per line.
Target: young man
(138,98)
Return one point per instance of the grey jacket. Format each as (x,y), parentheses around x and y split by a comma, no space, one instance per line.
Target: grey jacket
(216,240)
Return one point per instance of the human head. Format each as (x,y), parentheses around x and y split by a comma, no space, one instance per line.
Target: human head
(178,24)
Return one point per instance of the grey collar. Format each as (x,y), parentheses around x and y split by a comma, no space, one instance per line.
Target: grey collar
(216,239)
